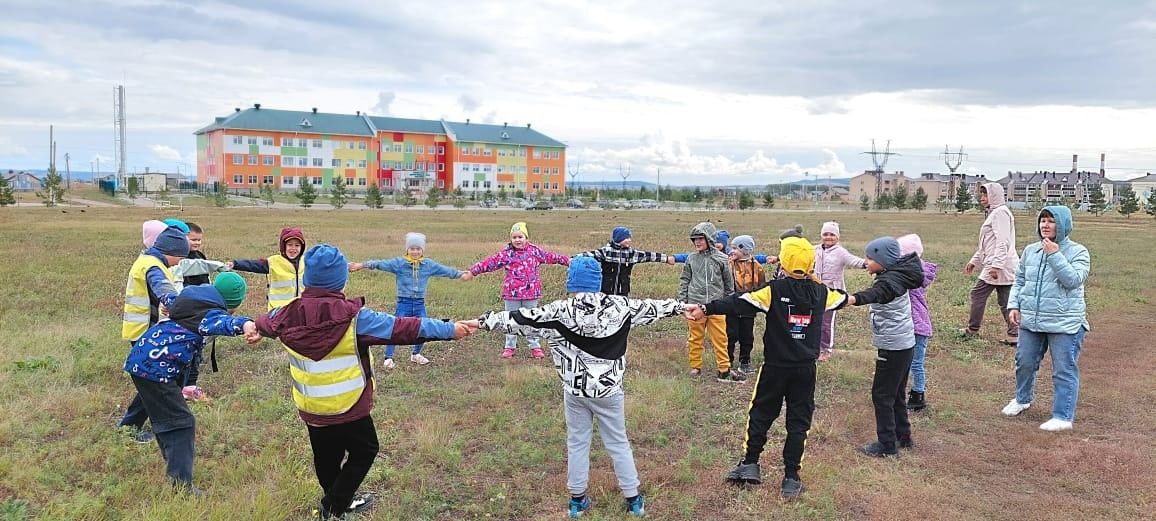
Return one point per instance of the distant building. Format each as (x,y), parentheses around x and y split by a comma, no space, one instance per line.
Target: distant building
(150,182)
(937,186)
(1054,187)
(1143,186)
(284,148)
(23,181)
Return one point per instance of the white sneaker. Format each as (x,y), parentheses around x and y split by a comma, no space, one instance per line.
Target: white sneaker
(418,359)
(1056,425)
(388,363)
(1014,408)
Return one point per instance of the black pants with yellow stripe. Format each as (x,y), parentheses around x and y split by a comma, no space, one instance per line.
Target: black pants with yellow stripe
(794,386)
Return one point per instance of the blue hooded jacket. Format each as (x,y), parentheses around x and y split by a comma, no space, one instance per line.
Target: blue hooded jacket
(1049,288)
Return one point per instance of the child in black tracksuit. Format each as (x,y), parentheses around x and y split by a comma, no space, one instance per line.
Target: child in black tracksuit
(893,335)
(794,307)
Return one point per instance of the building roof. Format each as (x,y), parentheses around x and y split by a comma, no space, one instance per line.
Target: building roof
(1060,177)
(499,134)
(1146,178)
(255,118)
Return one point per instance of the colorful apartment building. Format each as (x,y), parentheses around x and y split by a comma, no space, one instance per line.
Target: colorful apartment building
(281,148)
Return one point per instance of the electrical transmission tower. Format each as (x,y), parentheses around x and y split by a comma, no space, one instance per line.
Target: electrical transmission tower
(953,160)
(879,159)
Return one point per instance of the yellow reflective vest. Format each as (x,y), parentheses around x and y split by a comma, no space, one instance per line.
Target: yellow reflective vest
(284,281)
(137,305)
(332,385)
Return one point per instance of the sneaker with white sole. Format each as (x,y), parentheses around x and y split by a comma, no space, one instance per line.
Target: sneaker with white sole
(388,363)
(537,352)
(1014,408)
(1056,425)
(508,352)
(418,359)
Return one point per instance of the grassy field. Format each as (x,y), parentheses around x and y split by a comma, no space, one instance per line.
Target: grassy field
(471,436)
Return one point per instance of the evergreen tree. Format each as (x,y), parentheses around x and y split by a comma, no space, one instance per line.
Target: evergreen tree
(7,194)
(919,202)
(373,196)
(407,199)
(220,196)
(899,198)
(267,194)
(963,201)
(518,194)
(746,200)
(1128,202)
(433,198)
(864,202)
(883,202)
(53,188)
(132,188)
(339,194)
(943,204)
(502,194)
(1152,203)
(306,194)
(1096,202)
(768,198)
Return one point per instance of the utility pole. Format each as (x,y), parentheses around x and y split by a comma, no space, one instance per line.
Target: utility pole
(952,160)
(575,169)
(68,171)
(879,159)
(658,187)
(624,173)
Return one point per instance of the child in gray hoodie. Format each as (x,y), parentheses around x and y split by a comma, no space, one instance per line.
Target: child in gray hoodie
(893,335)
(707,277)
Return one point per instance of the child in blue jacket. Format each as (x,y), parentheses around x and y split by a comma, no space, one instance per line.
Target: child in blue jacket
(413,271)
(158,359)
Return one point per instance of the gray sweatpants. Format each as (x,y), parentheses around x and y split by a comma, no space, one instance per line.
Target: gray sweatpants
(611,415)
(512,340)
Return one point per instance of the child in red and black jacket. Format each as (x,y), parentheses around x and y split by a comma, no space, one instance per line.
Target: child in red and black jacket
(328,338)
(283,269)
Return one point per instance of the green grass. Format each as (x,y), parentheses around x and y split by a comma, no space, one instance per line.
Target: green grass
(474,437)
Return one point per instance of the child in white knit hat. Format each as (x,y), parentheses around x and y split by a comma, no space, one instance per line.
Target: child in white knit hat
(413,271)
(831,258)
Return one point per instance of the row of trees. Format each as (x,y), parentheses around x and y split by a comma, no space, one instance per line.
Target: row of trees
(901,200)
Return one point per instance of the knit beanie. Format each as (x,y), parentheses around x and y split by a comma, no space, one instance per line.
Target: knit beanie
(723,237)
(521,228)
(584,275)
(620,233)
(414,240)
(231,287)
(179,224)
(173,242)
(910,243)
(830,226)
(796,255)
(884,250)
(797,231)
(150,230)
(744,243)
(325,267)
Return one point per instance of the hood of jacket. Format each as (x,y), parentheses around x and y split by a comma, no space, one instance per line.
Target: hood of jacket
(1063,217)
(191,306)
(908,271)
(707,231)
(291,233)
(313,324)
(995,197)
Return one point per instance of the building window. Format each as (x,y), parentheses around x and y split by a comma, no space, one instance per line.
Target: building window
(477,167)
(238,160)
(465,151)
(441,167)
(397,147)
(302,143)
(360,181)
(286,160)
(237,140)
(486,168)
(421,165)
(535,186)
(361,163)
(316,180)
(316,143)
(238,179)
(421,149)
(288,180)
(441,150)
(537,154)
(302,161)
(267,160)
(317,161)
(554,170)
(486,185)
(267,179)
(252,179)
(477,151)
(267,141)
(252,160)
(361,145)
(286,141)
(441,183)
(486,152)
(536,170)
(252,140)
(348,163)
(501,169)
(336,163)
(409,148)
(501,152)
(555,186)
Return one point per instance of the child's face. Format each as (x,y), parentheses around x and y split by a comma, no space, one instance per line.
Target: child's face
(518,240)
(625,243)
(719,246)
(736,251)
(830,239)
(873,267)
(1048,228)
(172,261)
(415,252)
(699,243)
(195,240)
(293,248)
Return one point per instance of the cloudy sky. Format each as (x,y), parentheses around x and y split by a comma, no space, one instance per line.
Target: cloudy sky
(754,92)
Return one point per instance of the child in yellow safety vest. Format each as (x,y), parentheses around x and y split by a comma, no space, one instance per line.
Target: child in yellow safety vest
(284,269)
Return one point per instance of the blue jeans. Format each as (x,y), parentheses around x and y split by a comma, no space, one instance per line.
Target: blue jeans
(407,307)
(918,374)
(1065,371)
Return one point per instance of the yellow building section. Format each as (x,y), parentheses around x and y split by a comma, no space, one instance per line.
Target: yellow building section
(348,153)
(510,158)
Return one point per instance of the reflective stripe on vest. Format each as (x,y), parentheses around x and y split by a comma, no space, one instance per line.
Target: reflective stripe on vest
(137,304)
(332,385)
(284,281)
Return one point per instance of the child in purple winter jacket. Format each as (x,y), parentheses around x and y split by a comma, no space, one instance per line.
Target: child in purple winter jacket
(831,258)
(522,287)
(921,315)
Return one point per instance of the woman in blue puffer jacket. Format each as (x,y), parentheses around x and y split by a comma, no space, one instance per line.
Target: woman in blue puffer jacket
(1047,302)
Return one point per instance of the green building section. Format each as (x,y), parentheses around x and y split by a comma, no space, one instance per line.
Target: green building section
(294,151)
(254,149)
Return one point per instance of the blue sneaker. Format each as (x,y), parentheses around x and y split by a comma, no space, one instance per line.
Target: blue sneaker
(577,507)
(637,506)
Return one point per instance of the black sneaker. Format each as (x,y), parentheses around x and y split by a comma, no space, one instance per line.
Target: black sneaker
(731,376)
(747,368)
(906,442)
(747,473)
(792,489)
(876,449)
(916,401)
(360,503)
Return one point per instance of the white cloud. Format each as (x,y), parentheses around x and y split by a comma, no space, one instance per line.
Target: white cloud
(165,152)
(384,100)
(10,148)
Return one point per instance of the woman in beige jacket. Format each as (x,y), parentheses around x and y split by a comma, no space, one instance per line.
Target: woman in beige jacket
(996,260)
